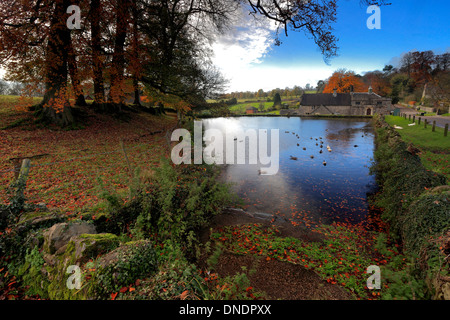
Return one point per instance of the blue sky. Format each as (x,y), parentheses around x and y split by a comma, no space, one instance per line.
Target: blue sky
(405,25)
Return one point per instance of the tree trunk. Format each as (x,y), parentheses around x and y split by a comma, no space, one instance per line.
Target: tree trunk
(56,68)
(137,95)
(424,93)
(116,93)
(73,71)
(135,55)
(97,64)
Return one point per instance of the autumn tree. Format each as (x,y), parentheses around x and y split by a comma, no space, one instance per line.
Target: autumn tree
(439,90)
(34,39)
(439,86)
(442,62)
(96,51)
(297,91)
(378,81)
(176,33)
(121,38)
(344,81)
(116,91)
(406,63)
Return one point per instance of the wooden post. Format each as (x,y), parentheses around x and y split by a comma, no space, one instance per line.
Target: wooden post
(16,164)
(409,117)
(425,123)
(129,167)
(434,126)
(419,120)
(126,157)
(446,130)
(25,169)
(22,179)
(414,118)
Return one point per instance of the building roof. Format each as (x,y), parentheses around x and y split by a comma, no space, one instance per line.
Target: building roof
(326,99)
(365,95)
(341,99)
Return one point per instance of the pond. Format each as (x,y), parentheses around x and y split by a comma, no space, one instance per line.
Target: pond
(312,183)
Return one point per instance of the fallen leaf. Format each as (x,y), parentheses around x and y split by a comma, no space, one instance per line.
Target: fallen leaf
(184,294)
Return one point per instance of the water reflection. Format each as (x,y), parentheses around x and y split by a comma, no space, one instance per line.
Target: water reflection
(320,185)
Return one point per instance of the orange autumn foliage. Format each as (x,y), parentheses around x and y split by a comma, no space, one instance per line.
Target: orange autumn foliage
(342,80)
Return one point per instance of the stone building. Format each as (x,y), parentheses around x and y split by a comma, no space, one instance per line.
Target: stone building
(353,103)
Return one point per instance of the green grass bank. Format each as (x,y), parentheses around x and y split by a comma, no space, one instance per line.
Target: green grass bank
(415,201)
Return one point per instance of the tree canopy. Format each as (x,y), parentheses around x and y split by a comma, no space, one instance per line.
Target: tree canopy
(344,81)
(123,45)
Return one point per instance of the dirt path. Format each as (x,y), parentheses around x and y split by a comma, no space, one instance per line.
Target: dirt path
(279,280)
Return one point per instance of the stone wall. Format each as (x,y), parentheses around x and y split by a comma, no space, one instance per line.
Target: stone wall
(343,110)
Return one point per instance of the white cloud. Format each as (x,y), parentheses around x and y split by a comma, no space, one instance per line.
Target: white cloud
(240,55)
(242,47)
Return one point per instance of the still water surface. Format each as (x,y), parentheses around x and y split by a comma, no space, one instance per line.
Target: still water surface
(306,188)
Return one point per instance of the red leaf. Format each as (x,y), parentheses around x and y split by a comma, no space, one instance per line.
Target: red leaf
(124,289)
(183,295)
(114,295)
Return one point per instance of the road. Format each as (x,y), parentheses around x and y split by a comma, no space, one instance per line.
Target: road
(440,121)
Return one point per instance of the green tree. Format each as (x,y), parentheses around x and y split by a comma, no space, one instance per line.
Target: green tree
(277,100)
(320,86)
(402,85)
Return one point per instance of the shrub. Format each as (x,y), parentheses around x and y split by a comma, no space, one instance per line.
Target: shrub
(427,217)
(31,273)
(179,202)
(133,261)
(175,202)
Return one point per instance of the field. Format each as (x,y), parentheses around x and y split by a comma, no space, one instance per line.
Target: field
(70,167)
(241,107)
(434,146)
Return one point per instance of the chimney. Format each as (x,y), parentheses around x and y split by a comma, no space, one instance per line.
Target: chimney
(335,92)
(370,89)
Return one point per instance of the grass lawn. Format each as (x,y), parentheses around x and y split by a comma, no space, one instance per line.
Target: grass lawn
(434,146)
(12,109)
(241,107)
